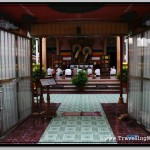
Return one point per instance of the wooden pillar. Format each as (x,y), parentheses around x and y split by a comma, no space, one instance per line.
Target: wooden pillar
(41,76)
(121,61)
(37,51)
(32,83)
(40,51)
(118,54)
(44,53)
(57,46)
(105,45)
(126,44)
(52,60)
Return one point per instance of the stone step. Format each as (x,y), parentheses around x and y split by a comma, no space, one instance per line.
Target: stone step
(91,81)
(91,84)
(85,90)
(97,79)
(94,85)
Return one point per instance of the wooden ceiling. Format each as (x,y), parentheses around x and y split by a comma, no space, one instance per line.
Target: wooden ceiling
(47,12)
(27,15)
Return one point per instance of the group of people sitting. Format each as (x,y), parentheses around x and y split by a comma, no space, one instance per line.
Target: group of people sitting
(53,72)
(70,72)
(75,70)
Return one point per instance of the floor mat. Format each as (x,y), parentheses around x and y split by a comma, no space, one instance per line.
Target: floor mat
(29,131)
(126,131)
(81,114)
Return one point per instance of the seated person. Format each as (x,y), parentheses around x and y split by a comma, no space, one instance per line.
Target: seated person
(84,70)
(75,70)
(97,72)
(68,72)
(59,71)
(79,69)
(89,71)
(113,71)
(50,71)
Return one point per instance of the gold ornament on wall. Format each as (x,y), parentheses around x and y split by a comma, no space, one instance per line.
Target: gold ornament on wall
(86,52)
(76,48)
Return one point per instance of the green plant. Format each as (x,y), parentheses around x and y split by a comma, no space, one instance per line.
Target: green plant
(80,79)
(36,72)
(124,75)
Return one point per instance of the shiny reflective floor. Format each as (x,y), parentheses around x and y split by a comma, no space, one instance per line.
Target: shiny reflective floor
(108,128)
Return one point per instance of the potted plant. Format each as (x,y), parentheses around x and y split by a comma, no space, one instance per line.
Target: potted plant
(36,72)
(124,75)
(80,80)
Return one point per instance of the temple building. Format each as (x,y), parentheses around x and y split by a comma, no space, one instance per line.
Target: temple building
(41,107)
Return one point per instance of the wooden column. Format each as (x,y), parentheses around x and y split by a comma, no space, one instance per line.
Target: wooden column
(37,51)
(121,61)
(105,45)
(41,94)
(52,60)
(31,68)
(118,54)
(44,53)
(40,51)
(57,46)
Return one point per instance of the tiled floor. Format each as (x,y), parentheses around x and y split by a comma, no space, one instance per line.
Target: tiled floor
(79,129)
(74,129)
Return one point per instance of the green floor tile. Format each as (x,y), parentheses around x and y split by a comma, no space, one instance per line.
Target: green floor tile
(79,129)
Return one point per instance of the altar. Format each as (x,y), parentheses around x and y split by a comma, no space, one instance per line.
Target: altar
(80,66)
